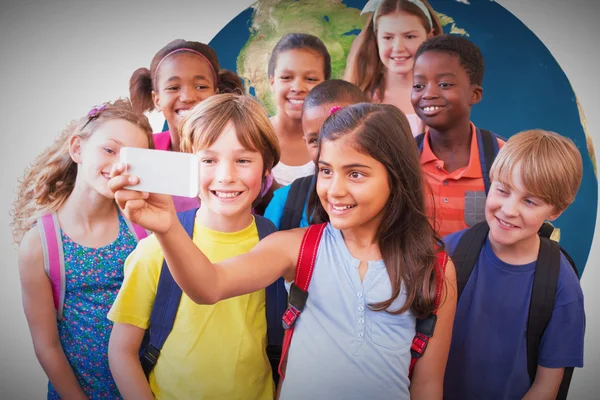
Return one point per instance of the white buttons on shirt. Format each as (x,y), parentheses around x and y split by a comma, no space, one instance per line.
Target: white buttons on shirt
(359,294)
(360,334)
(361,321)
(361,308)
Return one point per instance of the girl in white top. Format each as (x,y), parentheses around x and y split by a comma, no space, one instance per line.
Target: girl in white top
(298,63)
(374,272)
(382,56)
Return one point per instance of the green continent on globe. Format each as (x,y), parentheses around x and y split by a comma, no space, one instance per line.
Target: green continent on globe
(333,22)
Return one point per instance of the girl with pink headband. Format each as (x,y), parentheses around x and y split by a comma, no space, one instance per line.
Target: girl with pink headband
(181,75)
(382,56)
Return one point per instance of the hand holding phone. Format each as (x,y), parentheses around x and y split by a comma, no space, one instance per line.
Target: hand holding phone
(164,172)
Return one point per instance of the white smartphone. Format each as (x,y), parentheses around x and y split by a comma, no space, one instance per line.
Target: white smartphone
(159,171)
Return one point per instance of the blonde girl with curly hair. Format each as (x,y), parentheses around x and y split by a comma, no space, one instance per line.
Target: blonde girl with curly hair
(67,186)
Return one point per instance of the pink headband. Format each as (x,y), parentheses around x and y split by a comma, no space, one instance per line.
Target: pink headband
(334,109)
(192,51)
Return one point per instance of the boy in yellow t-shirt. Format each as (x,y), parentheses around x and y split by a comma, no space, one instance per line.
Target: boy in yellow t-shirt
(213,351)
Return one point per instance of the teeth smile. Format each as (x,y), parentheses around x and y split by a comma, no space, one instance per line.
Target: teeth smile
(227,195)
(183,113)
(298,102)
(342,208)
(505,223)
(431,108)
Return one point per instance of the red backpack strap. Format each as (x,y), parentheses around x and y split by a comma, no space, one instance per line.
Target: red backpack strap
(426,326)
(299,289)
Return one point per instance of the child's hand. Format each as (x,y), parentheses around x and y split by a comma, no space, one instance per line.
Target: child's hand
(152,211)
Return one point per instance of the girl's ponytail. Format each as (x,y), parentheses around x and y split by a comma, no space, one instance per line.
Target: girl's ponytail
(140,90)
(229,82)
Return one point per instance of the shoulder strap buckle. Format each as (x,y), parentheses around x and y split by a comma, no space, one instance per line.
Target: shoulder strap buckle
(418,346)
(297,301)
(149,359)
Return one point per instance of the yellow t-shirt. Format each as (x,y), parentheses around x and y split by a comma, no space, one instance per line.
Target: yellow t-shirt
(214,351)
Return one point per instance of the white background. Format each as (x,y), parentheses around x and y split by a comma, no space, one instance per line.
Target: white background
(60,57)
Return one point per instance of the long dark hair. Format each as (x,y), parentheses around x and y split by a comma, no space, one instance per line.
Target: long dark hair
(405,237)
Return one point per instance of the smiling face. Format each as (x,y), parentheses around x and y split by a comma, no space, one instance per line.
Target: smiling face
(513,215)
(183,80)
(399,35)
(353,187)
(97,154)
(296,72)
(230,176)
(442,93)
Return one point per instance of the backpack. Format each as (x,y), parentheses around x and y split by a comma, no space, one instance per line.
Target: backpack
(487,142)
(299,294)
(168,296)
(543,292)
(54,262)
(294,204)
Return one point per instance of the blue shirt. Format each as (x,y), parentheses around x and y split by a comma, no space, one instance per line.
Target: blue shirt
(341,349)
(274,210)
(488,354)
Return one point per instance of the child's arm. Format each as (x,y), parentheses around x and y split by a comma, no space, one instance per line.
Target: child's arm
(208,283)
(428,376)
(562,342)
(38,305)
(546,384)
(124,360)
(202,281)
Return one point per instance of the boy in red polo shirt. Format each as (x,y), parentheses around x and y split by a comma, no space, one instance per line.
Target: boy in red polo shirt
(455,155)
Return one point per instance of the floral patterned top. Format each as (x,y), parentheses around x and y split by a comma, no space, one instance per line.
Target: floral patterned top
(93,279)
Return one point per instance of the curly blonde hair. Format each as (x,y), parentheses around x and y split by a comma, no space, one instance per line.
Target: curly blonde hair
(50,179)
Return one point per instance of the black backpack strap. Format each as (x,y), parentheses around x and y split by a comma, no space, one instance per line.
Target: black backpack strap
(488,150)
(166,303)
(546,231)
(276,304)
(294,204)
(563,390)
(419,139)
(543,294)
(467,251)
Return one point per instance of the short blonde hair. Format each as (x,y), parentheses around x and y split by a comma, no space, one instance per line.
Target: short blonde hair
(550,166)
(205,122)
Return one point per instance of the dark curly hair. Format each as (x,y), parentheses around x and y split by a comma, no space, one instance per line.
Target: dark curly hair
(469,55)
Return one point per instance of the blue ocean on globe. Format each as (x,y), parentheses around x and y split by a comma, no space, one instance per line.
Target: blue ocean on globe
(524,87)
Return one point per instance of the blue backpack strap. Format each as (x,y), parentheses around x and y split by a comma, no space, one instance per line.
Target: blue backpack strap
(276,304)
(166,303)
(487,142)
(419,139)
